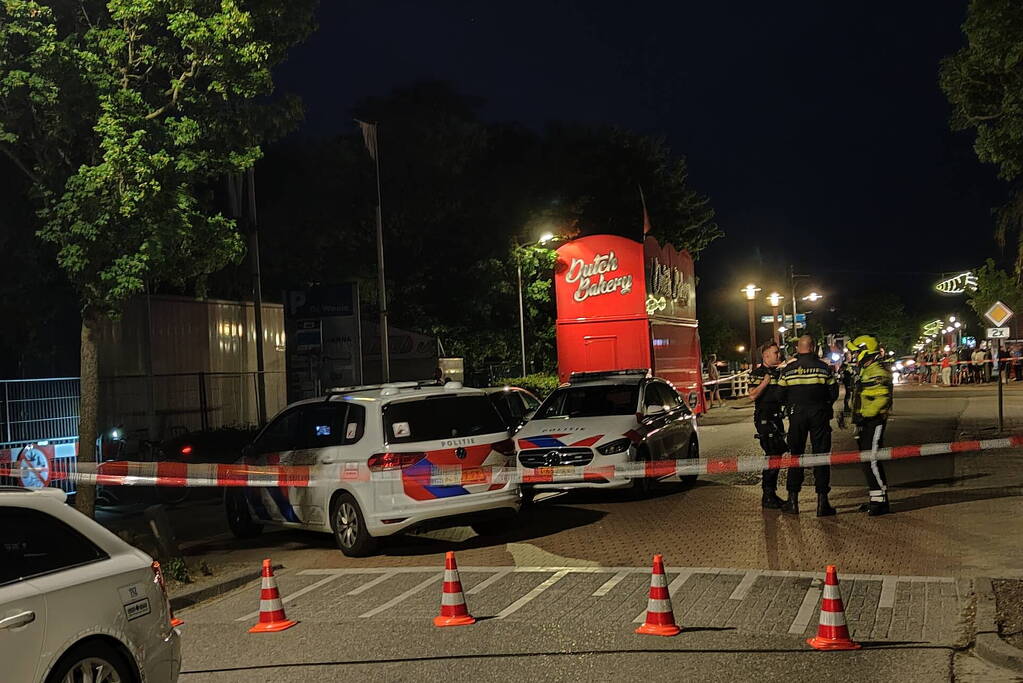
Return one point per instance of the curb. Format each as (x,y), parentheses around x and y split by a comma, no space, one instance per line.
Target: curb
(212,590)
(989,646)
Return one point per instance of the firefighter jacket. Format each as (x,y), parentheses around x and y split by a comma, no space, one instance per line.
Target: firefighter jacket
(872,395)
(808,383)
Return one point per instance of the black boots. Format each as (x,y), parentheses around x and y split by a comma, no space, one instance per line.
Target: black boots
(824,508)
(791,506)
(875,508)
(771,501)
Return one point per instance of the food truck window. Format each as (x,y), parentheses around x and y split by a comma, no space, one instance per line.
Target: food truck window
(590,401)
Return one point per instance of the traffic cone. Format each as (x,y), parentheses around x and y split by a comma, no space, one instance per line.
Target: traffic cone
(660,619)
(453,611)
(271,609)
(175,622)
(832,633)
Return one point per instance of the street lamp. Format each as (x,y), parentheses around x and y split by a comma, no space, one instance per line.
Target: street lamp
(740,348)
(750,291)
(774,298)
(544,239)
(813,297)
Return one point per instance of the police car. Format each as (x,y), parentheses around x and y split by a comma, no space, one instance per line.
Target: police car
(393,439)
(76,602)
(607,418)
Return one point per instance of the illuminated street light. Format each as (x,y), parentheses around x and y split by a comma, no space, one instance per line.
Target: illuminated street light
(812,296)
(774,298)
(545,238)
(750,291)
(740,348)
(958,325)
(951,318)
(782,329)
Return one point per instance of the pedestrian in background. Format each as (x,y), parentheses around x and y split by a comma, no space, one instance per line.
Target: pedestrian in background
(810,391)
(713,376)
(946,370)
(768,419)
(1017,362)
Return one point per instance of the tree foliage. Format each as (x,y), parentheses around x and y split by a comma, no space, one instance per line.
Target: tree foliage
(881,314)
(994,284)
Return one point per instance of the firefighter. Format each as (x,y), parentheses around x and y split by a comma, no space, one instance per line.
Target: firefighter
(768,418)
(809,389)
(872,399)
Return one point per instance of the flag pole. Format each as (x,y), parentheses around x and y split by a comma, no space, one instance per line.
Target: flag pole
(369,134)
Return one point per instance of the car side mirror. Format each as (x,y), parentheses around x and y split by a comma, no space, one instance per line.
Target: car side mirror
(653,410)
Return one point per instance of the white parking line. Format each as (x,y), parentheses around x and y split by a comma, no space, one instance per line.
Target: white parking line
(805,613)
(514,607)
(478,588)
(742,589)
(610,583)
(682,577)
(296,594)
(411,591)
(888,585)
(369,584)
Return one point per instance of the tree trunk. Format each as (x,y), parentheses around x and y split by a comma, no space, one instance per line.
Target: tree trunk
(85,499)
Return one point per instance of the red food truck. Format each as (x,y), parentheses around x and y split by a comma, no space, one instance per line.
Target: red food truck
(624,304)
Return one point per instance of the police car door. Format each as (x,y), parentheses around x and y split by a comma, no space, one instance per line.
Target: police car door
(275,442)
(655,419)
(321,431)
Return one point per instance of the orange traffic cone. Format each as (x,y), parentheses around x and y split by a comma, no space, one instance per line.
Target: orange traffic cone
(453,611)
(271,609)
(832,633)
(175,622)
(660,619)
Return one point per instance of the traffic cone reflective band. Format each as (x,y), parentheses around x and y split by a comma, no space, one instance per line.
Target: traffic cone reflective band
(453,611)
(271,609)
(832,633)
(175,622)
(660,620)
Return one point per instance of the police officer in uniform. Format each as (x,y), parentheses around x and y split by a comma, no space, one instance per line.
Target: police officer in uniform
(872,400)
(768,417)
(809,389)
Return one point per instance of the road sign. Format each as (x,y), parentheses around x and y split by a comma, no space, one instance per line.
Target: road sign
(998,314)
(998,333)
(800,318)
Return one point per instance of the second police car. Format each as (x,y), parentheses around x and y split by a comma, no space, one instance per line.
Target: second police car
(606,418)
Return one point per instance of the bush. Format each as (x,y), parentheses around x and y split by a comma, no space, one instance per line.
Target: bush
(539,383)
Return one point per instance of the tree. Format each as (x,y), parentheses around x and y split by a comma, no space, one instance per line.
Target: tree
(122,114)
(718,337)
(994,285)
(881,314)
(983,82)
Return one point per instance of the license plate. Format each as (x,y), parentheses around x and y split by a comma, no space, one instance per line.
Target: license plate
(545,472)
(474,475)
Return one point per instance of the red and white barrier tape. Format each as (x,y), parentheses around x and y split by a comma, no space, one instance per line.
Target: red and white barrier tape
(123,473)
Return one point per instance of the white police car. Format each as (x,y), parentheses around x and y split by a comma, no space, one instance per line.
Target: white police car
(407,437)
(607,418)
(76,602)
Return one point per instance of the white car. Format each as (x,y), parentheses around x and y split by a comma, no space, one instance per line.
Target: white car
(76,602)
(607,418)
(408,430)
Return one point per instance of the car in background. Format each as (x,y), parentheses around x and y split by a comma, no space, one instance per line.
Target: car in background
(400,434)
(607,418)
(515,404)
(76,602)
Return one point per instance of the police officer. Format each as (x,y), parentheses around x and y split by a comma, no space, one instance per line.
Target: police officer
(872,400)
(809,389)
(767,417)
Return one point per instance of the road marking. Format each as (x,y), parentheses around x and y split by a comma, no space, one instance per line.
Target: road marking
(742,589)
(478,588)
(296,594)
(682,577)
(411,591)
(888,585)
(369,584)
(610,583)
(514,607)
(805,613)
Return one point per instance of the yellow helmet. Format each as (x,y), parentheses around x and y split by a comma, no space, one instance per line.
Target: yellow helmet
(864,347)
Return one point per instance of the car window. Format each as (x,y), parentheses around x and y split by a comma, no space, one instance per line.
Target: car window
(674,400)
(33,543)
(531,403)
(590,401)
(281,434)
(516,408)
(500,401)
(655,396)
(323,425)
(355,423)
(441,417)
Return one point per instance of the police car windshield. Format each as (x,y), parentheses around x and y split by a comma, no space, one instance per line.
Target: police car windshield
(590,401)
(441,417)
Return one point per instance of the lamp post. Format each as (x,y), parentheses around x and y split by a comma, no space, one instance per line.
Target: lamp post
(544,239)
(750,291)
(774,298)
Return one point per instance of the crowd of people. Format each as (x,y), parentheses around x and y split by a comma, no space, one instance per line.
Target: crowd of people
(967,365)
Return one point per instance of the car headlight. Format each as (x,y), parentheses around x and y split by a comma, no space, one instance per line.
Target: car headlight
(614,447)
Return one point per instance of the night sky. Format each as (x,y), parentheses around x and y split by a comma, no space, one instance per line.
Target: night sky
(817,129)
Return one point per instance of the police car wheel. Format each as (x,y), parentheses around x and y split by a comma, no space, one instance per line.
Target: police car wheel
(692,453)
(239,516)
(349,527)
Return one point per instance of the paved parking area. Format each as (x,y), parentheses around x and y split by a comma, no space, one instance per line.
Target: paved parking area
(878,608)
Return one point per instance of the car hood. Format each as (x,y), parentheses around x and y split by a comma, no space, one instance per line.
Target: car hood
(580,431)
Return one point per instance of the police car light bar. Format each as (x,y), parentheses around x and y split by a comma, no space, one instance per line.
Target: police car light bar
(604,374)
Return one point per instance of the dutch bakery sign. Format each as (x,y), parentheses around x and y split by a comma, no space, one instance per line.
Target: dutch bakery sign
(597,277)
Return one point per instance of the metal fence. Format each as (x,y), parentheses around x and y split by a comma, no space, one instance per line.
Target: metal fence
(39,429)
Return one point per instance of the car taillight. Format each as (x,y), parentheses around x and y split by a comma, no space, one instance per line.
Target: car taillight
(393,461)
(186,450)
(506,447)
(158,580)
